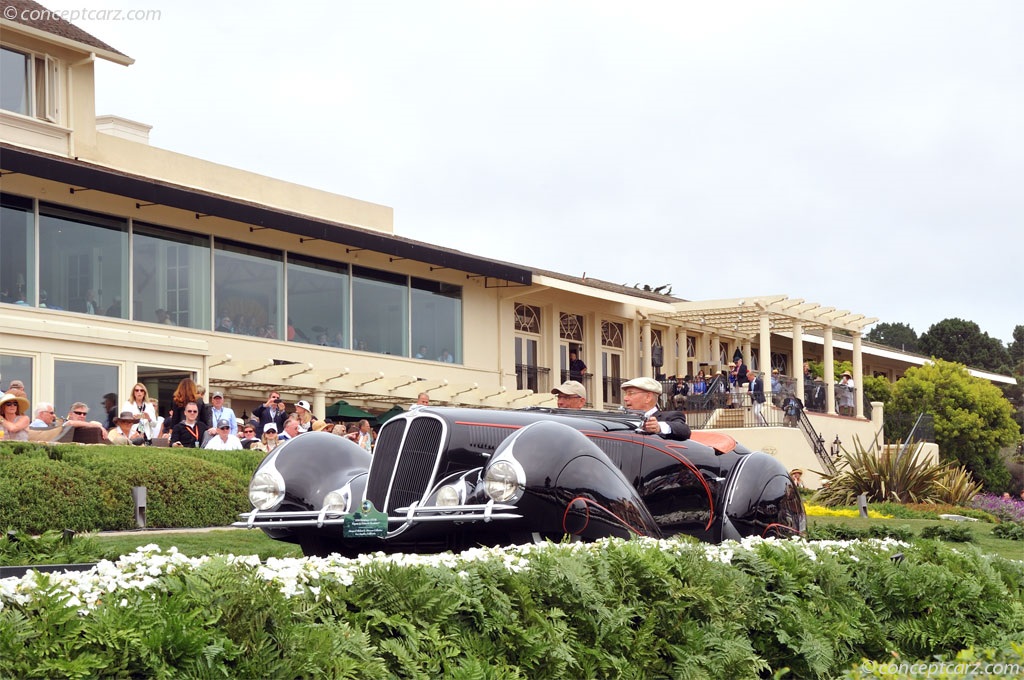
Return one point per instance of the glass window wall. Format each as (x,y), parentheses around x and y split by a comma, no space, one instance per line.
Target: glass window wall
(170,277)
(317,302)
(83,261)
(79,381)
(248,288)
(380,312)
(16,368)
(437,321)
(17,254)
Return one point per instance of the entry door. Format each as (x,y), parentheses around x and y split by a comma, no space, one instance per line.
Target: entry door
(526,363)
(611,365)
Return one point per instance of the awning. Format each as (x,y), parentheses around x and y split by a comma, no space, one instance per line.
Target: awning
(342,410)
(389,414)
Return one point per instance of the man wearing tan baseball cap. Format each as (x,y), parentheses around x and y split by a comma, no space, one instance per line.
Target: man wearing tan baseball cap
(641,394)
(571,394)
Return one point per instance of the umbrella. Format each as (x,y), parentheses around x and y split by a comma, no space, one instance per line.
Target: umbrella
(342,410)
(389,414)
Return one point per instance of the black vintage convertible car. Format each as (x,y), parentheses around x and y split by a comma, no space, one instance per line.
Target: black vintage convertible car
(452,478)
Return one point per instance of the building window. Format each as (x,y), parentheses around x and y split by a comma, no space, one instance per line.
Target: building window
(437,320)
(530,375)
(317,302)
(527,318)
(781,362)
(248,287)
(571,327)
(29,84)
(79,381)
(170,277)
(83,261)
(13,367)
(17,254)
(611,334)
(691,347)
(380,312)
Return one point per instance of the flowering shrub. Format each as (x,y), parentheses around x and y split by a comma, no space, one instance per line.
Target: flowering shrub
(1006,509)
(612,608)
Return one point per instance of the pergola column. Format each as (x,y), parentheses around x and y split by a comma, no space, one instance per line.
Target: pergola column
(858,373)
(830,372)
(680,345)
(798,358)
(764,355)
(646,369)
(594,335)
(319,403)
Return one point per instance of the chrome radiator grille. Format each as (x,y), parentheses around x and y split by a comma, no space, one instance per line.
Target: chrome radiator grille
(404,462)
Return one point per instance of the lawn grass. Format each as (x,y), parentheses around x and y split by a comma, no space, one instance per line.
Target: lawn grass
(196,543)
(982,531)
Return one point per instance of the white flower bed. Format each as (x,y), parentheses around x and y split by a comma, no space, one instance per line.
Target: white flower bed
(142,569)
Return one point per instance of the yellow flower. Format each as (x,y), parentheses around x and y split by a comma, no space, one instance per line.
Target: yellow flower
(819,511)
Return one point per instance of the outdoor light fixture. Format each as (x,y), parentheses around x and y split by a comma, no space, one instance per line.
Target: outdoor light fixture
(836,447)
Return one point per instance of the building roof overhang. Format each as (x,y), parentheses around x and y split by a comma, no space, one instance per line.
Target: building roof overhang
(84,175)
(742,316)
(32,19)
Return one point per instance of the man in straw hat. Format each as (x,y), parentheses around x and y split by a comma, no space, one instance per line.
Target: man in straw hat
(797,475)
(571,394)
(641,394)
(124,432)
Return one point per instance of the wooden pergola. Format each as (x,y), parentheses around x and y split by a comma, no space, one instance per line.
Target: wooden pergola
(758,317)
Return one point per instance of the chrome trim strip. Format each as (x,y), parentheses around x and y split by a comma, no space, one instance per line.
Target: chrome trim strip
(411,515)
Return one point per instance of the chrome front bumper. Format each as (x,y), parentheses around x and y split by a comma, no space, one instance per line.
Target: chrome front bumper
(415,514)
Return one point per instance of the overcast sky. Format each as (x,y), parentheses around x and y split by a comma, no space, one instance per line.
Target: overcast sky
(867,156)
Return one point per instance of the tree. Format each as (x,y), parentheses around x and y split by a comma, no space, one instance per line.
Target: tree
(972,418)
(1016,350)
(1015,393)
(963,342)
(876,389)
(896,335)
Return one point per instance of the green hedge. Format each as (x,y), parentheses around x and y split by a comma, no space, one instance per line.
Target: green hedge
(614,609)
(88,488)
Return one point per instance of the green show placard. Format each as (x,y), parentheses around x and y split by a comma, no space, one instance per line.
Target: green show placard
(367,523)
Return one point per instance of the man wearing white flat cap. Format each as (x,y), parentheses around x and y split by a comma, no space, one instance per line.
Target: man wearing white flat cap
(571,394)
(641,394)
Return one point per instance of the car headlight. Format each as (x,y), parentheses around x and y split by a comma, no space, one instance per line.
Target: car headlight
(339,500)
(448,496)
(501,483)
(266,489)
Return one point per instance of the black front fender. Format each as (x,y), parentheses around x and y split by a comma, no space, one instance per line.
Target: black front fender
(570,486)
(316,463)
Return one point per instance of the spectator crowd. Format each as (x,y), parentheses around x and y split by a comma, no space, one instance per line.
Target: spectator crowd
(190,422)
